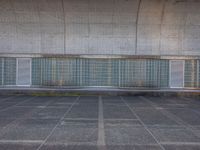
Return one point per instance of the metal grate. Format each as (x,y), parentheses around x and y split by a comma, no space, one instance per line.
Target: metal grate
(191,73)
(133,73)
(164,73)
(54,72)
(82,72)
(100,72)
(144,73)
(9,71)
(152,73)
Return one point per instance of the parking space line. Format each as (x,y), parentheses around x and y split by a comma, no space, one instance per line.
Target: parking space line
(82,119)
(181,143)
(174,118)
(7,98)
(121,119)
(143,124)
(62,118)
(101,131)
(22,141)
(15,122)
(30,98)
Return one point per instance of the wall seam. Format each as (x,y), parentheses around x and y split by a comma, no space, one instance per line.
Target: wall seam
(64,23)
(161,24)
(137,20)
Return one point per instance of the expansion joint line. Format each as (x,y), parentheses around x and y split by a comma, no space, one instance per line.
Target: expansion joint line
(136,26)
(64,23)
(145,127)
(161,24)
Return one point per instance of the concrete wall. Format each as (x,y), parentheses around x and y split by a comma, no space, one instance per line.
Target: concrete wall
(128,27)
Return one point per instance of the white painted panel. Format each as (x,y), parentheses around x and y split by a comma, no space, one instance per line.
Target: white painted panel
(177,74)
(24,71)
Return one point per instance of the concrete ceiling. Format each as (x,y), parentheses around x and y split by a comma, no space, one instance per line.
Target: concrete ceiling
(122,27)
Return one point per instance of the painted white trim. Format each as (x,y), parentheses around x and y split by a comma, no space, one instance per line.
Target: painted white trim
(183,73)
(81,72)
(170,73)
(17,66)
(183,61)
(30,71)
(17,71)
(119,63)
(2,65)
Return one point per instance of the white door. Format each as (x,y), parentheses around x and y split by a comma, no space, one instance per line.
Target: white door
(24,71)
(177,73)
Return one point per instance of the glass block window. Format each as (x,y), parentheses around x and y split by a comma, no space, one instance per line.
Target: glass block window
(164,73)
(191,73)
(144,73)
(9,72)
(132,73)
(99,72)
(54,71)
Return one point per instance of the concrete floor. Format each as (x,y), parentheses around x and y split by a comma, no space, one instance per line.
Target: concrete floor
(103,123)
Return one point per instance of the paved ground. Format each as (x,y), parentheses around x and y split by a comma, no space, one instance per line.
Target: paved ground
(103,123)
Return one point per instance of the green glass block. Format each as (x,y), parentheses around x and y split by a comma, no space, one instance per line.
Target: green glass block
(9,71)
(191,74)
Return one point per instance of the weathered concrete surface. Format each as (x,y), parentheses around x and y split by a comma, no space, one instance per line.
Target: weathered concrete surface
(99,122)
(129,27)
(98,91)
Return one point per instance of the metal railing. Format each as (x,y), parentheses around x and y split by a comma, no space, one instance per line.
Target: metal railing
(100,72)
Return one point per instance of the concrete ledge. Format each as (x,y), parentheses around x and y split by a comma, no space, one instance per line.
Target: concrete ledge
(98,91)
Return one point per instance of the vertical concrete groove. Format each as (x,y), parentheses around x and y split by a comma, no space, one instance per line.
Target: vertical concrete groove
(101,131)
(136,27)
(58,123)
(145,127)
(13,11)
(40,27)
(161,24)
(174,118)
(183,31)
(15,23)
(113,24)
(64,23)
(88,26)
